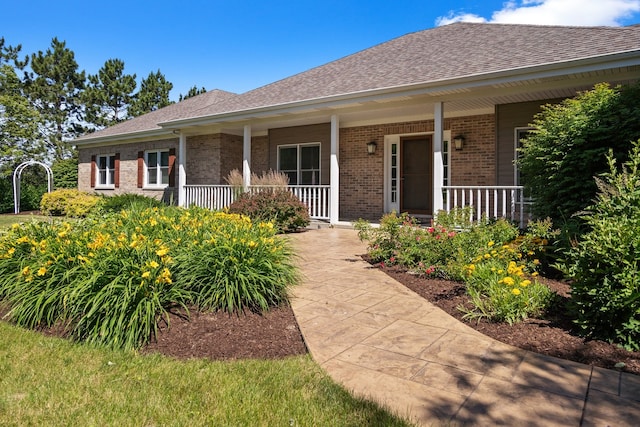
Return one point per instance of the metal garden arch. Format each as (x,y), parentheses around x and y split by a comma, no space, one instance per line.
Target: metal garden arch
(16,181)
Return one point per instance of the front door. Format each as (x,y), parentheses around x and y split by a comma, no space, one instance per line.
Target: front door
(416,175)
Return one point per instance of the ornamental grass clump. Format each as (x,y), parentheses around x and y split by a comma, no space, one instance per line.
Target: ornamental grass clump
(110,281)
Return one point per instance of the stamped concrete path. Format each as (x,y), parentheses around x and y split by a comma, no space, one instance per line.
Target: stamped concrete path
(382,341)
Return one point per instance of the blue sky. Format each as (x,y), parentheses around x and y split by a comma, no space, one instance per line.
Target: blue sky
(238,45)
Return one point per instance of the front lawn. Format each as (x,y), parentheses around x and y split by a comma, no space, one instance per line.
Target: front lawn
(54,382)
(6,220)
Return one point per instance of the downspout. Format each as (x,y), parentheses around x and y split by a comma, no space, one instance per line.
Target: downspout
(438,166)
(182,171)
(246,158)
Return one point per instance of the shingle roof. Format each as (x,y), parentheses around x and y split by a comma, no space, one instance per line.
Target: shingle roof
(149,121)
(438,54)
(441,53)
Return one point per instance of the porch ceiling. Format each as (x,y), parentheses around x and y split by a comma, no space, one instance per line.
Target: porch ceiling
(419,105)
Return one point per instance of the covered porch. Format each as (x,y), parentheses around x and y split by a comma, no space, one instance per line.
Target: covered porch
(486,202)
(366,144)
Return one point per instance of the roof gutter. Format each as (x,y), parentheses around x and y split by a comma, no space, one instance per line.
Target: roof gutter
(129,136)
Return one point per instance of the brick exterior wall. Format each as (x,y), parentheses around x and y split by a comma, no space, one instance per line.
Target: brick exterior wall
(475,164)
(203,159)
(211,157)
(260,154)
(230,155)
(128,168)
(362,175)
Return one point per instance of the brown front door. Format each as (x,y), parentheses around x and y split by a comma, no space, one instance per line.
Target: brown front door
(416,175)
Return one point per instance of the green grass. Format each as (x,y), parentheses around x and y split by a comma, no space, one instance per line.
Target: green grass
(7,220)
(51,381)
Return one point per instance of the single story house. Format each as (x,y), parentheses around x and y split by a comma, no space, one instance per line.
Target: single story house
(423,122)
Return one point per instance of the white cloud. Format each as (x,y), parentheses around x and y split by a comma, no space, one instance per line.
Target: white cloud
(554,12)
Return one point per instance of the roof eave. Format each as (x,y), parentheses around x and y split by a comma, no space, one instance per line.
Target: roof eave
(615,60)
(123,137)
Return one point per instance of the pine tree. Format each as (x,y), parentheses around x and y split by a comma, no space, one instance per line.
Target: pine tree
(194,91)
(153,94)
(20,137)
(54,88)
(109,94)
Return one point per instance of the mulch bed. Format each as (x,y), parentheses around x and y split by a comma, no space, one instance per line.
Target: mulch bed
(223,336)
(554,335)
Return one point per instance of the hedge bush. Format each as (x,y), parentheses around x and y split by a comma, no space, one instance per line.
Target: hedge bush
(127,201)
(605,264)
(278,206)
(68,202)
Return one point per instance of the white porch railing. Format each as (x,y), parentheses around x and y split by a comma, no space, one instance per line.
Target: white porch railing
(489,202)
(315,197)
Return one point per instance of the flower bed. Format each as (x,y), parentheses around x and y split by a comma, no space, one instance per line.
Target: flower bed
(108,281)
(497,264)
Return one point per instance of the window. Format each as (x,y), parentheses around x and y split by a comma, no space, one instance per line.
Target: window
(301,163)
(104,171)
(519,135)
(157,168)
(446,175)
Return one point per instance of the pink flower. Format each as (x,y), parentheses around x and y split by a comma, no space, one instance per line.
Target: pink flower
(431,230)
(452,234)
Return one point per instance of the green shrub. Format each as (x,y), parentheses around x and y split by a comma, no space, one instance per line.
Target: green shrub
(605,264)
(458,218)
(492,259)
(568,144)
(31,191)
(69,202)
(109,281)
(127,201)
(278,206)
(65,172)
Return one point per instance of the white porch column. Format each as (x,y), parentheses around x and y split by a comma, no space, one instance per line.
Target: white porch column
(438,166)
(182,171)
(334,199)
(246,158)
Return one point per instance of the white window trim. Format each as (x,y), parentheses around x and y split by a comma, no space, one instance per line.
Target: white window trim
(298,171)
(146,185)
(108,185)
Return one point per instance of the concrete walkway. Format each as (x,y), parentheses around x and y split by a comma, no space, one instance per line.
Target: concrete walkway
(382,341)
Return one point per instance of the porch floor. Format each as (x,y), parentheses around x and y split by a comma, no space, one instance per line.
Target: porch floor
(382,341)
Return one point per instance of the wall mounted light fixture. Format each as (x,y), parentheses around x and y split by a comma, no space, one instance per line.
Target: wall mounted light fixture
(371,147)
(458,142)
